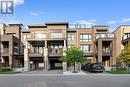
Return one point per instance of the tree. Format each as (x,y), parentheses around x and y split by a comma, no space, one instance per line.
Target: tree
(73,55)
(125,55)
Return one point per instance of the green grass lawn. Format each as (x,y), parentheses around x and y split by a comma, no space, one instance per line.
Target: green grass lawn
(119,72)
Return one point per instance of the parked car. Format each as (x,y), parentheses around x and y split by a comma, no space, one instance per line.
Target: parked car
(93,67)
(85,67)
(96,67)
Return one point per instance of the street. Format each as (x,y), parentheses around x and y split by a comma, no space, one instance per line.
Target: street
(89,80)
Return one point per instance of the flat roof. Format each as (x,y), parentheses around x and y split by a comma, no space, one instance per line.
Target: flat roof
(100,26)
(36,25)
(15,24)
(120,26)
(56,23)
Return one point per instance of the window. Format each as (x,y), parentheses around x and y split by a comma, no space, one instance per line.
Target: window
(56,33)
(126,31)
(40,35)
(85,48)
(71,37)
(38,49)
(85,37)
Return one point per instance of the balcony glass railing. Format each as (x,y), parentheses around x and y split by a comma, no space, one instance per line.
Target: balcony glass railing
(54,51)
(126,36)
(87,51)
(35,51)
(104,36)
(5,50)
(106,50)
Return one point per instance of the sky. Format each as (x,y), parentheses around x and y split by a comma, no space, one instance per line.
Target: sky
(97,12)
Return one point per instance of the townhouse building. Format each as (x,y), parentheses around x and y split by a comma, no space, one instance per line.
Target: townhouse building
(40,46)
(11,45)
(125,37)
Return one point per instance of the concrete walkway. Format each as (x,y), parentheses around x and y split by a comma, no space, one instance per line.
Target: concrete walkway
(44,72)
(70,73)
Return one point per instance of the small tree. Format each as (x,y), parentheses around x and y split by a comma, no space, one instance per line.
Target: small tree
(73,55)
(125,55)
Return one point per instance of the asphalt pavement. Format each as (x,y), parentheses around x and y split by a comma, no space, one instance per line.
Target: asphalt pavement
(42,80)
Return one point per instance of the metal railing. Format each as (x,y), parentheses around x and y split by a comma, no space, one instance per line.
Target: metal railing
(5,50)
(105,36)
(34,52)
(126,36)
(54,51)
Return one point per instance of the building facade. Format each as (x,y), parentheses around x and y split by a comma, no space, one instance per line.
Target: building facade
(11,46)
(39,47)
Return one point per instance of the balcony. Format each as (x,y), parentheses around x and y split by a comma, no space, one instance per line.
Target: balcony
(5,52)
(105,36)
(107,52)
(88,54)
(35,54)
(126,36)
(55,52)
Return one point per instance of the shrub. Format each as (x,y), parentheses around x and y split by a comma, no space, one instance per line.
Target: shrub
(118,69)
(5,69)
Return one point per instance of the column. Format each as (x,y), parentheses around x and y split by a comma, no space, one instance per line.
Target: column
(106,63)
(64,63)
(26,58)
(2,59)
(113,57)
(100,51)
(46,57)
(11,53)
(111,64)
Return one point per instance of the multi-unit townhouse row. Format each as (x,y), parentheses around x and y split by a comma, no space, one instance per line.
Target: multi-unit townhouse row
(39,47)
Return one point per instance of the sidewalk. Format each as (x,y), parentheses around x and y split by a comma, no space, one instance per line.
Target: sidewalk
(44,72)
(70,73)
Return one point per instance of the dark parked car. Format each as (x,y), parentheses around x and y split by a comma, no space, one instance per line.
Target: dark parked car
(93,67)
(96,67)
(85,67)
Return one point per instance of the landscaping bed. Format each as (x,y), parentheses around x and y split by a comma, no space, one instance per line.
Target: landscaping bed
(6,70)
(119,70)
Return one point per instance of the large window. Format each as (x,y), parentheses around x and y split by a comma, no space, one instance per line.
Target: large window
(85,37)
(56,33)
(85,48)
(40,35)
(71,37)
(38,49)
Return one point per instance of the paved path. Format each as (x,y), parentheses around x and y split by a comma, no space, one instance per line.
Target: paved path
(44,72)
(88,80)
